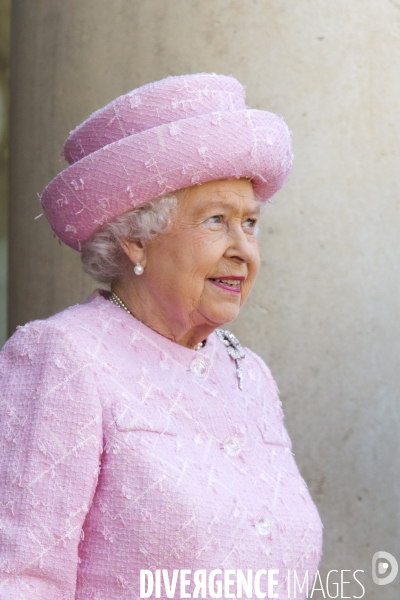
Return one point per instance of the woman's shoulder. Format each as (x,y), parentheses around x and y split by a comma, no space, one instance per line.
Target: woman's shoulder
(71,326)
(267,393)
(264,374)
(257,360)
(260,364)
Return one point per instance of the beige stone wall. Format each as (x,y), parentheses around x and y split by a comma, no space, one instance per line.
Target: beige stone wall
(325,311)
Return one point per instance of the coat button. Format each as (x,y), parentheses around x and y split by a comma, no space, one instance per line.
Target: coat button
(232,446)
(199,367)
(263,526)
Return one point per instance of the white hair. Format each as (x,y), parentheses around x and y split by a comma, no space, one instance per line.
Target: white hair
(103,256)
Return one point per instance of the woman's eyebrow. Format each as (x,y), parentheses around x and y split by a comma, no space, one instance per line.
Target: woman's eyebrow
(254,211)
(224,205)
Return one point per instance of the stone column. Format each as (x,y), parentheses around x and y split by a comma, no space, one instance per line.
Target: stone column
(4,102)
(325,311)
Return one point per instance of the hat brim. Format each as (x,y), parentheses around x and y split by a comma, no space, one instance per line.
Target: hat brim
(121,176)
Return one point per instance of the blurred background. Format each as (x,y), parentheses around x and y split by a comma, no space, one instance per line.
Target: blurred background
(325,310)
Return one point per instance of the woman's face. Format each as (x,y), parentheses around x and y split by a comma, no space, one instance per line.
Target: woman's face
(203,269)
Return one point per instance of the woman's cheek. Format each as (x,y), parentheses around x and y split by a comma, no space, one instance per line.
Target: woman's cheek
(246,289)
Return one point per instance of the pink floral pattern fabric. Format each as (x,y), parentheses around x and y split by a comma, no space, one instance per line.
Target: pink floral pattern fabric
(121,450)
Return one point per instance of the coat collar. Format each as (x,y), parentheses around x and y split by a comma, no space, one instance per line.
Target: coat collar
(169,350)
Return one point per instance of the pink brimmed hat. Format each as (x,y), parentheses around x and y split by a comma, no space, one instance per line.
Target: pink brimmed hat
(159,138)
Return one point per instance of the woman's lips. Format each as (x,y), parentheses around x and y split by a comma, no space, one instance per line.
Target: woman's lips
(234,288)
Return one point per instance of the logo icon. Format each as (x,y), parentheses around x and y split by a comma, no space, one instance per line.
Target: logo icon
(386,560)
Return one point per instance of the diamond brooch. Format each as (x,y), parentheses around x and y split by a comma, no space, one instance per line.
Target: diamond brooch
(235,351)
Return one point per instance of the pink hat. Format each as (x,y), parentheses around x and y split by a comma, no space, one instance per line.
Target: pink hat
(159,138)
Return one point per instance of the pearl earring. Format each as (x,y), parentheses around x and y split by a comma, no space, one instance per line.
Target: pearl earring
(138,269)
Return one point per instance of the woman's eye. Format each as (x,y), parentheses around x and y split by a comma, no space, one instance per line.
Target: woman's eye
(215,219)
(251,223)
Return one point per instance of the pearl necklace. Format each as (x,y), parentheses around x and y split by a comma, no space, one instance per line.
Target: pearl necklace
(118,302)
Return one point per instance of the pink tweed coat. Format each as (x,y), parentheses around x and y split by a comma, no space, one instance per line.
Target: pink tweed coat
(121,450)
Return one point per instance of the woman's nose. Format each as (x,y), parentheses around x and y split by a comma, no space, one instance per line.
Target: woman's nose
(242,246)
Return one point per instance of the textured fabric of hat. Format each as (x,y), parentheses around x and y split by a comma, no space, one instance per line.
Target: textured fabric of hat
(159,138)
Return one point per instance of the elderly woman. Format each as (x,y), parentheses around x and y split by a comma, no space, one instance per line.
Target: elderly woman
(143,451)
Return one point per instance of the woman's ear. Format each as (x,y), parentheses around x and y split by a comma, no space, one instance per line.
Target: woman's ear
(135,251)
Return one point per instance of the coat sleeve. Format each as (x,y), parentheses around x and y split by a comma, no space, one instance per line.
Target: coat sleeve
(50,451)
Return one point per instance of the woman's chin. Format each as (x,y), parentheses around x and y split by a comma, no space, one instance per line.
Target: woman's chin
(224,313)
